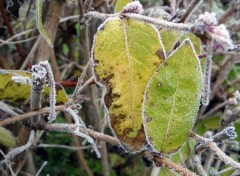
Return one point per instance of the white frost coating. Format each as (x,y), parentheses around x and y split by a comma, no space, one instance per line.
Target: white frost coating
(38,71)
(133,7)
(21,149)
(52,115)
(207,81)
(90,140)
(22,79)
(159,22)
(147,87)
(80,124)
(75,117)
(230,132)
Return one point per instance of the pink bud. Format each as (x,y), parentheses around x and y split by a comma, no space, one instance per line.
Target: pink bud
(133,7)
(207,22)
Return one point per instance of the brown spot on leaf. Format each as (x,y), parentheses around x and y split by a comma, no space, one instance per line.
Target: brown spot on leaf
(160,54)
(151,104)
(148,119)
(165,98)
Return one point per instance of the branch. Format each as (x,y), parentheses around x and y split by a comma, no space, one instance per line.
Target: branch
(70,128)
(213,146)
(157,22)
(27,115)
(189,10)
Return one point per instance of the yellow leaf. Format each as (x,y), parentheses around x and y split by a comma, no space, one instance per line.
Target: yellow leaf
(127,52)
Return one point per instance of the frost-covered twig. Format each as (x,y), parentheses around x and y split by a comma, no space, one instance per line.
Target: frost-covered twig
(228,133)
(198,166)
(27,115)
(8,164)
(38,81)
(79,123)
(207,81)
(154,21)
(12,153)
(70,128)
(5,108)
(52,97)
(80,81)
(213,147)
(168,163)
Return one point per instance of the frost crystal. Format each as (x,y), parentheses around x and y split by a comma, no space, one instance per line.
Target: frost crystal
(133,7)
(207,22)
(22,79)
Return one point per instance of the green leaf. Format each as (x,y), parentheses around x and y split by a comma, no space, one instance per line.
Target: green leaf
(120,4)
(127,53)
(172,100)
(6,138)
(17,92)
(40,25)
(170,38)
(195,41)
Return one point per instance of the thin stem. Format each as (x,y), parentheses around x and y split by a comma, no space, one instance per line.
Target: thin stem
(193,4)
(63,147)
(214,148)
(41,168)
(27,115)
(10,30)
(157,22)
